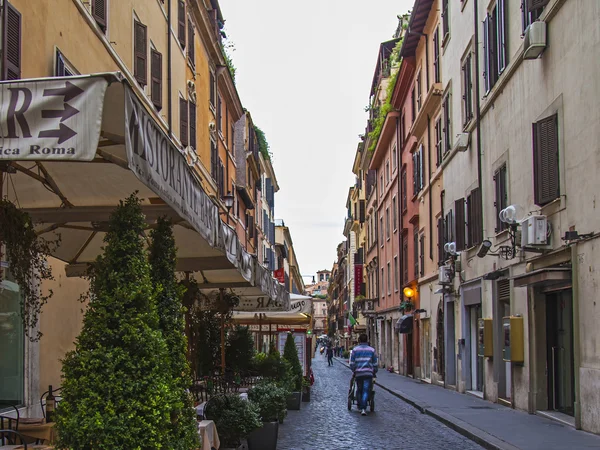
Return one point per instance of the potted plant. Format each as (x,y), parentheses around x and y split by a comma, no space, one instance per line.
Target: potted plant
(294,373)
(306,389)
(234,417)
(271,401)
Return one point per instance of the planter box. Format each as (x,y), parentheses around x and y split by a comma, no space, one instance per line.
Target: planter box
(306,395)
(294,401)
(264,438)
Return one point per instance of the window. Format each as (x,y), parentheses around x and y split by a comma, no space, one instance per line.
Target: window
(402,130)
(396,274)
(183,122)
(387,172)
(445,19)
(436,55)
(440,230)
(99,13)
(214,160)
(404,260)
(438,141)
(192,124)
(191,53)
(395,213)
(156,78)
(467,87)
(140,51)
(381,230)
(381,186)
(419,93)
(394,157)
(459,223)
(389,280)
(181,23)
(413,104)
(531,10)
(422,254)
(418,163)
(212,89)
(382,284)
(494,44)
(474,218)
(447,124)
(501,196)
(387,223)
(63,68)
(416,252)
(545,160)
(219,114)
(404,190)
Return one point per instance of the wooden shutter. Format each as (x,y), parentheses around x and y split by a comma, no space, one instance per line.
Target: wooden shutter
(545,160)
(192,125)
(486,59)
(214,160)
(11,56)
(212,88)
(221,178)
(191,49)
(181,23)
(140,51)
(532,5)
(99,13)
(183,122)
(219,112)
(404,260)
(459,223)
(440,230)
(361,211)
(477,217)
(501,14)
(156,78)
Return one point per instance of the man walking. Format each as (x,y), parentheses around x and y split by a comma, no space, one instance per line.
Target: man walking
(329,355)
(363,364)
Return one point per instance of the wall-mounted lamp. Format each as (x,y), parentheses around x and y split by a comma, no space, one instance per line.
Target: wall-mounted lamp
(228,201)
(409,292)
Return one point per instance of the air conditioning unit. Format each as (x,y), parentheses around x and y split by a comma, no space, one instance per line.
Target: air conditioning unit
(445,275)
(534,231)
(535,40)
(462,142)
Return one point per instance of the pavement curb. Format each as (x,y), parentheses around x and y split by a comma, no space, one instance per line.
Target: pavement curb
(475,434)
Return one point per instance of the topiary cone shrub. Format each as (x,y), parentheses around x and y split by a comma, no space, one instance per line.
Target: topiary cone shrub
(117,383)
(290,354)
(183,430)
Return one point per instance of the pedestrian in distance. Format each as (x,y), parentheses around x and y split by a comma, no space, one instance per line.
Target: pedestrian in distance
(329,355)
(363,363)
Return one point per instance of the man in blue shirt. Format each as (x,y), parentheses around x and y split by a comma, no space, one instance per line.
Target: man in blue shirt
(363,364)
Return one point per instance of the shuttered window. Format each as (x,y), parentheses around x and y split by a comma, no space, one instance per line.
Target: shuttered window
(494,42)
(445,18)
(440,232)
(404,190)
(140,51)
(404,260)
(361,211)
(183,122)
(449,228)
(156,78)
(219,114)
(530,11)
(214,158)
(99,13)
(181,23)
(459,224)
(191,53)
(395,214)
(438,142)
(422,255)
(11,43)
(212,89)
(447,124)
(192,107)
(501,195)
(474,218)
(416,252)
(221,180)
(545,160)
(436,55)
(61,69)
(467,86)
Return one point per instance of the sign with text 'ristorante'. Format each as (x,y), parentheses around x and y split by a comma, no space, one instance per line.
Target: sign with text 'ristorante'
(156,161)
(52,119)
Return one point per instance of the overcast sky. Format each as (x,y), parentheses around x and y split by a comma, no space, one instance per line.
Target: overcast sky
(304,70)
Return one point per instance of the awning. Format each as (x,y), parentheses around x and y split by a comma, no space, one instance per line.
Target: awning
(548,277)
(75,146)
(404,324)
(298,313)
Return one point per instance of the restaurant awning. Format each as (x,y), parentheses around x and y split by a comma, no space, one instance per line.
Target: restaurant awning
(404,324)
(300,312)
(552,276)
(73,147)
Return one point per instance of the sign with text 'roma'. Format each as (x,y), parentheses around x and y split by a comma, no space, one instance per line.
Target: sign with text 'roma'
(52,119)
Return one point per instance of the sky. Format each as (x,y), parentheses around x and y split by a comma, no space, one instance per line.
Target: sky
(304,71)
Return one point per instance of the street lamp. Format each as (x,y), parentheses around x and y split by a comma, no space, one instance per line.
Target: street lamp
(228,201)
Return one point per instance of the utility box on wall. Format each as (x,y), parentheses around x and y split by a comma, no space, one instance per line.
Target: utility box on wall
(514,345)
(485,339)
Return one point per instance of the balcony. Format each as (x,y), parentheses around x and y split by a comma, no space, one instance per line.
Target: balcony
(432,101)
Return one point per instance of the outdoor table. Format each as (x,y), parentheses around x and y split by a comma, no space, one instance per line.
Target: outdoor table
(38,429)
(208,435)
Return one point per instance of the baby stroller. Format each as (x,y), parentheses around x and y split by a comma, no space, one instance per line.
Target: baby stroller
(353,398)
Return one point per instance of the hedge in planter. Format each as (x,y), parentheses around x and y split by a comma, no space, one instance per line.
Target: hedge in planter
(183,431)
(290,354)
(116,383)
(271,401)
(234,417)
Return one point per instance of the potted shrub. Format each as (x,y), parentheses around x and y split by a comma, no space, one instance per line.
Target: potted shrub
(306,389)
(294,373)
(271,401)
(234,417)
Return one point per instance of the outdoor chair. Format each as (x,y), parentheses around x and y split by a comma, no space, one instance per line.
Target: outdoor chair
(8,423)
(57,399)
(8,441)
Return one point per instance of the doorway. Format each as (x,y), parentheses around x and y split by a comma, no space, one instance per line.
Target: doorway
(440,356)
(559,352)
(503,370)
(409,354)
(476,360)
(426,351)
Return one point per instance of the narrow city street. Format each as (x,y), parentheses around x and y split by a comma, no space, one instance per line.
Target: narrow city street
(325,422)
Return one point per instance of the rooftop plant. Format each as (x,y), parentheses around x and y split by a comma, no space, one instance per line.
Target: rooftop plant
(263,145)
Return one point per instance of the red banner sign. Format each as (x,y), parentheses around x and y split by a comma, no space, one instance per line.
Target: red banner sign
(358,279)
(279,275)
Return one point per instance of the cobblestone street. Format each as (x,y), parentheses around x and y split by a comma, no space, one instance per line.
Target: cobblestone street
(325,422)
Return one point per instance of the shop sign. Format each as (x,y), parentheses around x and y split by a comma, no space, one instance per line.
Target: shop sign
(358,278)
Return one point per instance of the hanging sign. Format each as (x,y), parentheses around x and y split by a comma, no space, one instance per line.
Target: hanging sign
(358,278)
(279,275)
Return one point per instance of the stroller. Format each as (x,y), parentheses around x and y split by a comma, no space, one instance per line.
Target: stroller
(353,398)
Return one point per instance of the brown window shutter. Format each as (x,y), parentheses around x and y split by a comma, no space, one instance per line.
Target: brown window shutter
(190,49)
(156,78)
(11,56)
(459,223)
(181,22)
(212,88)
(532,5)
(362,211)
(183,122)
(140,52)
(477,216)
(545,160)
(440,230)
(192,124)
(99,13)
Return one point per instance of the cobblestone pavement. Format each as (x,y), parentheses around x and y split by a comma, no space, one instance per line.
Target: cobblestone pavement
(326,424)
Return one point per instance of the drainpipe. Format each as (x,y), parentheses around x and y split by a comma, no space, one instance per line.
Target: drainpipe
(430,189)
(576,337)
(170,108)
(477,95)
(399,201)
